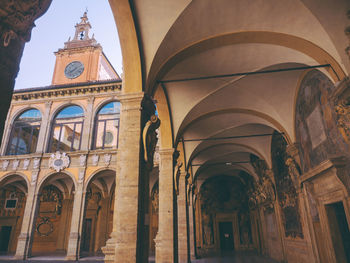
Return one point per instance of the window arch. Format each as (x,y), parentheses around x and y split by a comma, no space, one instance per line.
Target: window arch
(25,133)
(67,129)
(107,126)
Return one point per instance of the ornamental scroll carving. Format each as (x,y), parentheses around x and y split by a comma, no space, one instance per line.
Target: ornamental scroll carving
(17,18)
(264,192)
(150,139)
(343,119)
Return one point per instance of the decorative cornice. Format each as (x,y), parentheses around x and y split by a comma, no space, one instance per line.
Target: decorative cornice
(67,89)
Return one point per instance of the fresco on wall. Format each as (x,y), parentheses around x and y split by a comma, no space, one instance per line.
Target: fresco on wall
(225,194)
(245,230)
(317,133)
(287,195)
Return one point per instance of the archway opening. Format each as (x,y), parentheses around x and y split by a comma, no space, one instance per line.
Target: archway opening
(13,191)
(54,211)
(98,215)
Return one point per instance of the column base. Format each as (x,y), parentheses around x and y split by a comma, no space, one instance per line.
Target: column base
(72,250)
(21,253)
(109,250)
(164,250)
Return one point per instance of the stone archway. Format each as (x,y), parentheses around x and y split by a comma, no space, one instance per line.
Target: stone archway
(98,213)
(53,216)
(13,191)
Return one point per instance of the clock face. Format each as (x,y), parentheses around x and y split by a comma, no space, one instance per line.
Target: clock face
(74,69)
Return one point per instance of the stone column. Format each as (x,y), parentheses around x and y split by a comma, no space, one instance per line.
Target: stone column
(28,225)
(122,245)
(87,128)
(77,214)
(182,239)
(191,228)
(44,129)
(165,237)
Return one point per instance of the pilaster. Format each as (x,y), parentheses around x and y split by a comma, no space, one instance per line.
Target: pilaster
(44,129)
(25,238)
(77,214)
(165,237)
(122,246)
(182,220)
(87,128)
(191,228)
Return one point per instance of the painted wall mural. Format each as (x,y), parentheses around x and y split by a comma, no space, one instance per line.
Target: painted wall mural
(226,194)
(286,192)
(245,229)
(316,127)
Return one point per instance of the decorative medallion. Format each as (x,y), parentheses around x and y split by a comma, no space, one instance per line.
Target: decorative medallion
(44,227)
(59,161)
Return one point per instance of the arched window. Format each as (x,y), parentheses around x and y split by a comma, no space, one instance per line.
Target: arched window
(107,126)
(67,129)
(25,133)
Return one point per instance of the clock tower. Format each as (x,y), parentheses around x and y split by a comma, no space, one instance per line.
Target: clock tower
(82,59)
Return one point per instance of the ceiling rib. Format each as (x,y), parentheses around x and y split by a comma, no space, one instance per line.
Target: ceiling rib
(230,137)
(245,73)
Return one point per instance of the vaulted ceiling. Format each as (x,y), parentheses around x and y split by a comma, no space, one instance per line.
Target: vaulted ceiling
(186,40)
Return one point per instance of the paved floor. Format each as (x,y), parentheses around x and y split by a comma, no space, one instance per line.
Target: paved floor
(226,258)
(236,258)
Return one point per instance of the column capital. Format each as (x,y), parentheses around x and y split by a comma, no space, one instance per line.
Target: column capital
(165,152)
(292,149)
(126,98)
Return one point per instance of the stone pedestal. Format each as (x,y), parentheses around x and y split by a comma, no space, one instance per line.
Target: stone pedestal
(165,237)
(182,221)
(122,246)
(75,229)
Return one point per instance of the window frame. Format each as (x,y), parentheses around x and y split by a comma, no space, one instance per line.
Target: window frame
(104,121)
(66,120)
(16,124)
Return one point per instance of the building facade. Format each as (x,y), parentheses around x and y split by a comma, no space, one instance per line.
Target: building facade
(58,157)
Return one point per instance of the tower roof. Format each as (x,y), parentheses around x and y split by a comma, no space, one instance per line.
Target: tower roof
(81,36)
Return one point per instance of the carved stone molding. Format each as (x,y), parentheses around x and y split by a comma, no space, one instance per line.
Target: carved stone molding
(294,172)
(150,139)
(67,90)
(5,164)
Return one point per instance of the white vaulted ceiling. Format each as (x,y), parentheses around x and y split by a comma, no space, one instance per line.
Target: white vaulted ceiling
(200,38)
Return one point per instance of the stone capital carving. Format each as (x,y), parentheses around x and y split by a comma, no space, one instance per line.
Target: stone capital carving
(15,164)
(107,159)
(95,158)
(82,160)
(26,163)
(5,164)
(59,161)
(36,163)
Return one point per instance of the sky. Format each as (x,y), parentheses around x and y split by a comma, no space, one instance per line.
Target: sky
(54,28)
